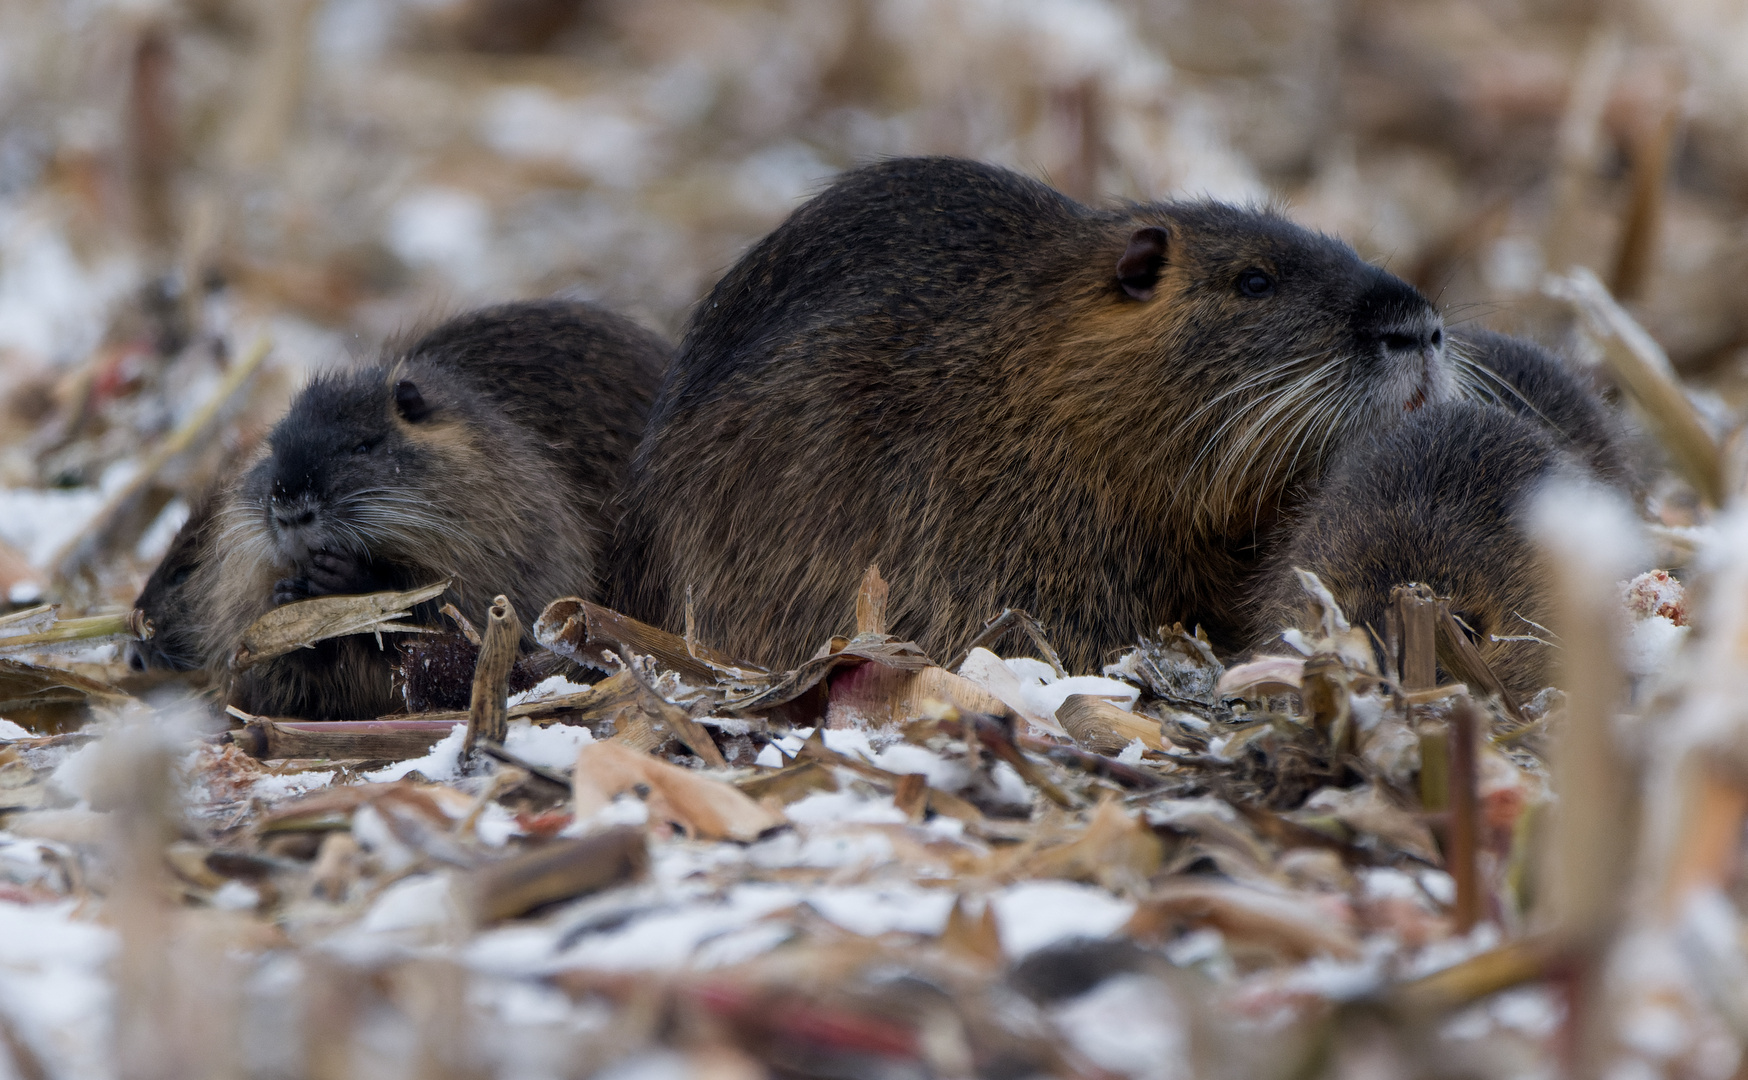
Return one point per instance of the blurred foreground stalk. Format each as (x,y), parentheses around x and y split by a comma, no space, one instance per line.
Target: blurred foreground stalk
(1589,541)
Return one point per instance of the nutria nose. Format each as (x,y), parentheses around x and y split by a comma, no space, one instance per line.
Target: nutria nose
(294,519)
(1420,334)
(136,659)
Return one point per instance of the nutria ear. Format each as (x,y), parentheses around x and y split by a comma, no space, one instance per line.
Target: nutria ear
(1138,269)
(409,402)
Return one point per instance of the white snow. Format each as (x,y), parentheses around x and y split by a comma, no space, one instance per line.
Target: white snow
(54,985)
(1130,1024)
(41,523)
(1033,914)
(552,747)
(286,785)
(550,687)
(825,807)
(78,774)
(442,763)
(424,900)
(871,911)
(235,896)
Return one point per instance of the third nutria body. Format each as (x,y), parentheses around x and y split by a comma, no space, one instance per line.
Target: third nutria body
(490,452)
(1440,499)
(1004,398)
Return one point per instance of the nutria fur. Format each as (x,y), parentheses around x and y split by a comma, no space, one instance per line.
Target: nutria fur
(1004,398)
(169,596)
(1437,500)
(490,451)
(1540,385)
(1440,499)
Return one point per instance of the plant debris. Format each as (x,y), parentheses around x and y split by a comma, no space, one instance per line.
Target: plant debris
(596,847)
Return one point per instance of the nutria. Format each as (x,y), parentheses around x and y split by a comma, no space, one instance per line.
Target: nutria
(1004,398)
(168,599)
(490,452)
(1540,385)
(1438,500)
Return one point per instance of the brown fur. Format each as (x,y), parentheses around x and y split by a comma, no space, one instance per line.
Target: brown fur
(1439,500)
(169,596)
(1005,399)
(490,451)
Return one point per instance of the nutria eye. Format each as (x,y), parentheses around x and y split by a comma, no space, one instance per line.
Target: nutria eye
(180,575)
(409,402)
(1255,284)
(364,448)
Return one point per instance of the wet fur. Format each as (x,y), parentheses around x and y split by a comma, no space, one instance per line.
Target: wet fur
(1439,500)
(935,366)
(505,482)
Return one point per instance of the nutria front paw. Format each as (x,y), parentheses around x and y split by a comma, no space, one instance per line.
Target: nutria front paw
(328,573)
(291,590)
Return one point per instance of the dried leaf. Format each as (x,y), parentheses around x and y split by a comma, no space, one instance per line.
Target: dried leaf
(1279,921)
(302,624)
(704,806)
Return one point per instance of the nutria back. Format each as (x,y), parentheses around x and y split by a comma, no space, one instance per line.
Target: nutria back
(490,451)
(1004,398)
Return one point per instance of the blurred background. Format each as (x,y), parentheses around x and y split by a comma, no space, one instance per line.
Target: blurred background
(179,180)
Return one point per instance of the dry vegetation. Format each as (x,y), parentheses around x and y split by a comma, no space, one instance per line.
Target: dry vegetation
(874,865)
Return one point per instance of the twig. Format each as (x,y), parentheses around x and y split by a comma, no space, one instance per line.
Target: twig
(556,871)
(302,624)
(1465,800)
(998,627)
(871,603)
(678,721)
(1639,364)
(118,624)
(590,633)
(1466,662)
(1415,615)
(1650,152)
(497,752)
(491,675)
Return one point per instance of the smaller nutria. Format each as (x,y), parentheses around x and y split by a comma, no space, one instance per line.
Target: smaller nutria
(489,452)
(169,598)
(1439,500)
(1535,383)
(1005,399)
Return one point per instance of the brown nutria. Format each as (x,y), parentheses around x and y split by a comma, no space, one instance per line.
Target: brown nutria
(1438,500)
(1004,398)
(490,452)
(168,598)
(1537,384)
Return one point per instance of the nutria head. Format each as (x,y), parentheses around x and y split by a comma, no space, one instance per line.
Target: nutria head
(1271,344)
(376,477)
